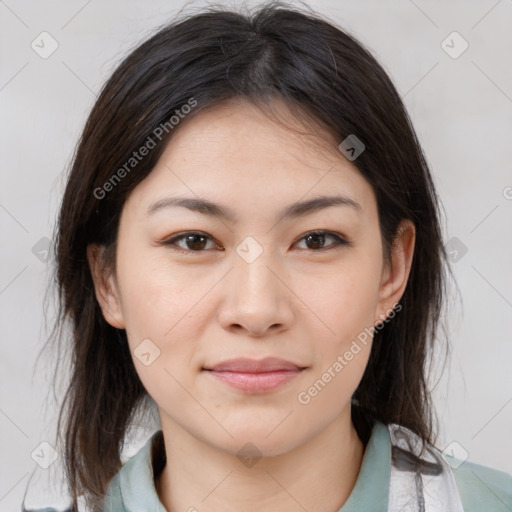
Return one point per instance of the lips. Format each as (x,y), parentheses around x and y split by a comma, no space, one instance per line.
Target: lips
(255,376)
(245,365)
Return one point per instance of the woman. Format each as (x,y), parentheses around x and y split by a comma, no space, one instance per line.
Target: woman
(250,241)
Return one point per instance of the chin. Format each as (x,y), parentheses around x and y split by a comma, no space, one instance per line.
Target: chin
(266,441)
(255,447)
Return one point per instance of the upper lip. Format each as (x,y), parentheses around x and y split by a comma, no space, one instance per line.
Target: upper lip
(246,365)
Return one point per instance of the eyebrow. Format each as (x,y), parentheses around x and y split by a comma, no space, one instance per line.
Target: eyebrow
(212,209)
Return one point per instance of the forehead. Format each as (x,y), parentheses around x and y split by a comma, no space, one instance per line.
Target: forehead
(234,150)
(238,127)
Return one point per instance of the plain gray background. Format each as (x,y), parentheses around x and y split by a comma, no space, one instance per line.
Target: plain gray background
(461,107)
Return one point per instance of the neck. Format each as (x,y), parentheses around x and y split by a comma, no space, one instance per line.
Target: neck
(317,476)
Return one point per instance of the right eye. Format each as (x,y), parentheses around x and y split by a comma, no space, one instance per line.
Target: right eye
(193,241)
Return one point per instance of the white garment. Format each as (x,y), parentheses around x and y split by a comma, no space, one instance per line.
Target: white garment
(419,484)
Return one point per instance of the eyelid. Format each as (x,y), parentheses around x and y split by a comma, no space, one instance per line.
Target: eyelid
(341,240)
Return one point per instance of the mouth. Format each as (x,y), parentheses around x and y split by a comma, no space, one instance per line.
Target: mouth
(255,376)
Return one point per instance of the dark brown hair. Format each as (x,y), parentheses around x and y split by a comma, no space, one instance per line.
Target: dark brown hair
(324,75)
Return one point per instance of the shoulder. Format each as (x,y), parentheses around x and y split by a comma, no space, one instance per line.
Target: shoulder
(482,488)
(113,501)
(133,486)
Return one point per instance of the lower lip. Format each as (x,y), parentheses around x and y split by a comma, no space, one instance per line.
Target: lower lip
(262,382)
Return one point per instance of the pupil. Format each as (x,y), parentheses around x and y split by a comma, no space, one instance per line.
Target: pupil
(318,239)
(193,239)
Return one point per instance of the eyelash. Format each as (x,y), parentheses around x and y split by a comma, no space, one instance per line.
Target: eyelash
(340,241)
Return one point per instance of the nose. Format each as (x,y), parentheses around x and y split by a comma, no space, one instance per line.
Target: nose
(256,298)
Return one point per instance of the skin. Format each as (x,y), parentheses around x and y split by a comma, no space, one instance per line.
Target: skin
(297,301)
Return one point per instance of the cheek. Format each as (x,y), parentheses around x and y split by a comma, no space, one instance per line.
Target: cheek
(346,304)
(330,389)
(155,294)
(166,304)
(151,306)
(344,300)
(158,307)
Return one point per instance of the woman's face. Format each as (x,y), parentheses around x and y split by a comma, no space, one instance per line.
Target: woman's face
(252,284)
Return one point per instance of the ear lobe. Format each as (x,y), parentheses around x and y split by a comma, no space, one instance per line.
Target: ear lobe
(396,274)
(105,288)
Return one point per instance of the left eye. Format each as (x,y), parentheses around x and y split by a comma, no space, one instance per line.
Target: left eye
(196,241)
(317,238)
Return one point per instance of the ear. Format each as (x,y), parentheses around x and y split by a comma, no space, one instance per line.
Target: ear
(105,286)
(396,273)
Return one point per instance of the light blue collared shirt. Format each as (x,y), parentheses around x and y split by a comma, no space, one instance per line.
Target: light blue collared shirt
(482,489)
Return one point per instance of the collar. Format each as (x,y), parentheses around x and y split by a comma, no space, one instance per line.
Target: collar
(133,488)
